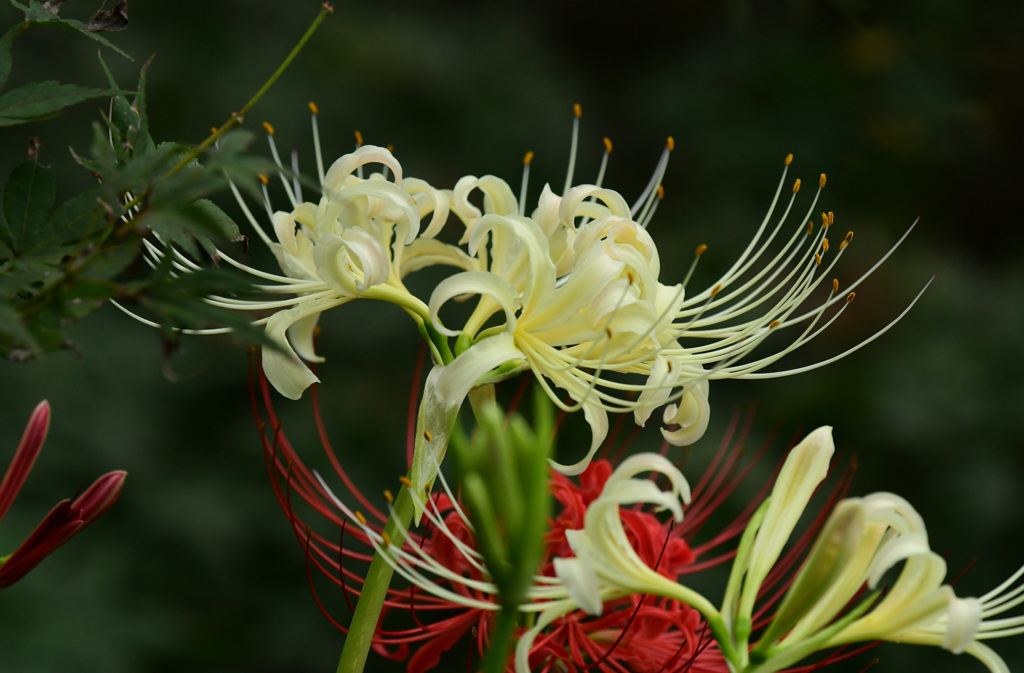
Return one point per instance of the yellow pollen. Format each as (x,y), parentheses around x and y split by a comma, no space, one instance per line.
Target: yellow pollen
(821,181)
(213,130)
(671,142)
(796,186)
(817,259)
(661,192)
(824,245)
(608,145)
(405,481)
(789,158)
(701,249)
(359,138)
(389,148)
(716,289)
(824,220)
(427,436)
(387,538)
(362,519)
(831,217)
(313,108)
(630,277)
(262,178)
(268,128)
(528,158)
(810,227)
(577,110)
(775,323)
(387,496)
(850,297)
(608,331)
(846,241)
(835,285)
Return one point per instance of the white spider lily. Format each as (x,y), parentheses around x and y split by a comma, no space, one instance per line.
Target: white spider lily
(571,292)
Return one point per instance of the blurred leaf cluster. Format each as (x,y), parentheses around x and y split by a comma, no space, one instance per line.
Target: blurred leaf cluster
(61,261)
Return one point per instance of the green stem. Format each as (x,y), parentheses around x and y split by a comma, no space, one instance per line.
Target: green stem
(501,639)
(238,117)
(378,577)
(375,590)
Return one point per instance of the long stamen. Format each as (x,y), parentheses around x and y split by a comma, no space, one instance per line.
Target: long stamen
(577,112)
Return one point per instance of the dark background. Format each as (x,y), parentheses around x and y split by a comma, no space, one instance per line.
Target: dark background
(913,109)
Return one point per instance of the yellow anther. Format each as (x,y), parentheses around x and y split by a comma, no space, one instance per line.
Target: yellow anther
(359,138)
(789,158)
(608,331)
(846,241)
(796,186)
(631,278)
(850,297)
(821,181)
(716,289)
(313,108)
(810,227)
(775,323)
(701,249)
(213,130)
(831,217)
(661,192)
(835,285)
(668,366)
(389,148)
(405,481)
(268,128)
(427,436)
(362,519)
(577,110)
(824,220)
(608,145)
(671,143)
(528,158)
(263,178)
(387,538)
(817,259)
(388,496)
(824,245)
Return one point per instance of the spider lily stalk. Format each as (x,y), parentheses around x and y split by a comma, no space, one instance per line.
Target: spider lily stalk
(571,290)
(66,519)
(449,596)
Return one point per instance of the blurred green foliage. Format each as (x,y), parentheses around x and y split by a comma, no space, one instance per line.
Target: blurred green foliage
(911,109)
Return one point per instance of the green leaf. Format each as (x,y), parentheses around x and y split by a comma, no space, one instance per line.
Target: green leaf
(42,99)
(28,197)
(84,30)
(6,43)
(77,218)
(13,333)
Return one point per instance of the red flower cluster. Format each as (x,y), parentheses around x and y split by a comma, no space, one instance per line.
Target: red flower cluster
(636,633)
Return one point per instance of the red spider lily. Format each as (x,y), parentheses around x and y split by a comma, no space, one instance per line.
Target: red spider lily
(64,520)
(636,633)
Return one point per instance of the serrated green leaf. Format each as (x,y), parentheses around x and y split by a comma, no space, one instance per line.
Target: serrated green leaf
(78,217)
(23,277)
(13,333)
(84,30)
(6,43)
(41,99)
(28,198)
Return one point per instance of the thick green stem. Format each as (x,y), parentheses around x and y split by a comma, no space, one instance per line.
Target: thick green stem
(375,590)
